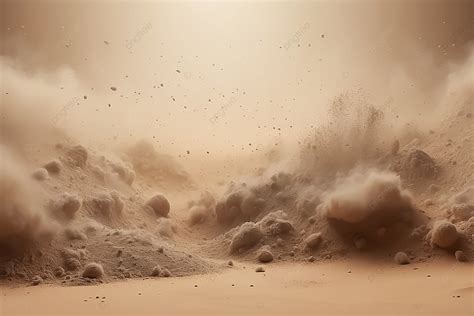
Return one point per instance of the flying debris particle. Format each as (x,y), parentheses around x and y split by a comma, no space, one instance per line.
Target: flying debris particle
(323,36)
(188,152)
(85,97)
(106,42)
(178,71)
(113,88)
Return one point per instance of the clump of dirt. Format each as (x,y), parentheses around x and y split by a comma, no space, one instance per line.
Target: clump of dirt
(66,206)
(415,164)
(77,156)
(159,204)
(105,205)
(40,174)
(444,234)
(93,271)
(247,236)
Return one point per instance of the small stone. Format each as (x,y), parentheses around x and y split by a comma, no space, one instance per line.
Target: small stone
(93,271)
(260,269)
(265,255)
(156,271)
(36,280)
(313,241)
(401,258)
(165,273)
(460,256)
(311,259)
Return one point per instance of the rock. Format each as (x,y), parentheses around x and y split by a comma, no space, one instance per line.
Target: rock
(40,174)
(260,269)
(230,263)
(53,167)
(59,272)
(444,234)
(279,227)
(156,271)
(311,259)
(275,224)
(401,258)
(159,204)
(247,236)
(165,273)
(36,280)
(265,255)
(93,271)
(313,241)
(460,256)
(418,164)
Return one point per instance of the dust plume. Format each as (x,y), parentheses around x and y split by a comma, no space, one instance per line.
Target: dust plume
(23,222)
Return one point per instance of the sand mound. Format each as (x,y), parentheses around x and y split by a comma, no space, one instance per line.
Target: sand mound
(22,222)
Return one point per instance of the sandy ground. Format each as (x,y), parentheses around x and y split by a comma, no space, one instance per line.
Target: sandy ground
(297,289)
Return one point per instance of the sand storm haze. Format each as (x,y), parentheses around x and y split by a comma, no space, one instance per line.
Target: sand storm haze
(254,157)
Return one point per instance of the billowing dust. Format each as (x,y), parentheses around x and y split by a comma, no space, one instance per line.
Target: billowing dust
(155,162)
